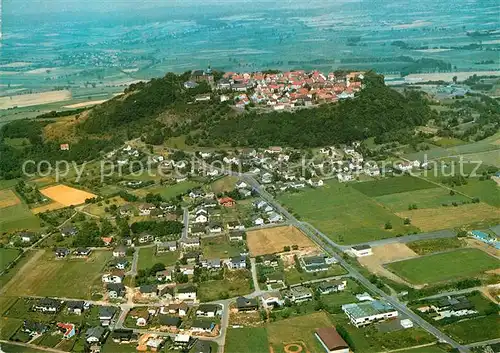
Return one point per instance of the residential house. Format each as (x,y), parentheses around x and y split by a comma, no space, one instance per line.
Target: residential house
(145,238)
(362,250)
(106,314)
(166,291)
(275,217)
(314,263)
(124,336)
(202,347)
(241,185)
(142,321)
(75,307)
(82,252)
(96,334)
(186,293)
(145,209)
(169,323)
(61,253)
(270,260)
(200,326)
(331,341)
(166,247)
(126,210)
(48,305)
(272,299)
(212,264)
(177,309)
(187,270)
(149,290)
(235,225)
(191,257)
(183,341)
(275,277)
(115,290)
(236,236)
(297,294)
(215,228)
(107,240)
(238,262)
(365,313)
(332,286)
(208,310)
(121,264)
(198,229)
(34,328)
(453,307)
(191,243)
(201,216)
(245,193)
(247,304)
(114,277)
(68,330)
(164,276)
(27,237)
(226,202)
(266,178)
(120,251)
(67,231)
(258,221)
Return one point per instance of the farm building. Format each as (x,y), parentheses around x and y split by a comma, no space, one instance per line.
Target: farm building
(331,340)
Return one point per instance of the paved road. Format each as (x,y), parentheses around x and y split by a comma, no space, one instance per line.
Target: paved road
(455,292)
(186,224)
(135,261)
(332,249)
(254,275)
(484,343)
(447,233)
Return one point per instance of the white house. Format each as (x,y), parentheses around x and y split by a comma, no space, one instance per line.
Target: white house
(110,278)
(186,293)
(258,221)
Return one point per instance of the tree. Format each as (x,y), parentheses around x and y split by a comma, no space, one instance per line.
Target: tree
(388,225)
(407,221)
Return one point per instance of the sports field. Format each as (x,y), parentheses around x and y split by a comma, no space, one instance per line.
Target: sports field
(300,330)
(8,198)
(66,195)
(70,278)
(462,263)
(18,217)
(429,219)
(273,240)
(345,214)
(392,185)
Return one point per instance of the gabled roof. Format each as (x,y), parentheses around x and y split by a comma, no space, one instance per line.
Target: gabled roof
(166,320)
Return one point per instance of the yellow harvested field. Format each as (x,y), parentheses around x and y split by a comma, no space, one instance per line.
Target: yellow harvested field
(66,195)
(273,240)
(428,219)
(26,100)
(384,254)
(8,198)
(84,104)
(48,207)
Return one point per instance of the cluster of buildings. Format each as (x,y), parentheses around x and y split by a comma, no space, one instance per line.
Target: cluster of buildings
(284,90)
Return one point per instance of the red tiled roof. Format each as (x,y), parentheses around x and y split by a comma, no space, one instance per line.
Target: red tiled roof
(331,339)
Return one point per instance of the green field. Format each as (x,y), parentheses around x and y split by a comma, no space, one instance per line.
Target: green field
(4,184)
(427,349)
(424,198)
(12,348)
(445,266)
(236,283)
(147,258)
(224,184)
(344,214)
(392,185)
(18,217)
(71,278)
(247,340)
(220,247)
(7,256)
(487,190)
(473,330)
(424,247)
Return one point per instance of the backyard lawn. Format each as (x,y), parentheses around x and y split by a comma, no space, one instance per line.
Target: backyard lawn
(148,257)
(345,214)
(462,263)
(221,247)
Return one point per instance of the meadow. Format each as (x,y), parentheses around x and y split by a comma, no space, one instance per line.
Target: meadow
(220,247)
(486,190)
(7,256)
(148,257)
(473,330)
(167,191)
(345,214)
(247,340)
(392,186)
(424,198)
(452,265)
(425,247)
(71,278)
(224,184)
(235,283)
(16,218)
(292,276)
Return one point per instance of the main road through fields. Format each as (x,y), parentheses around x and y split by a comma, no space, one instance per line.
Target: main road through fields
(333,247)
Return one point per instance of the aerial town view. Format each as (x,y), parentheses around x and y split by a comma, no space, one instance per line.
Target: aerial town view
(237,176)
